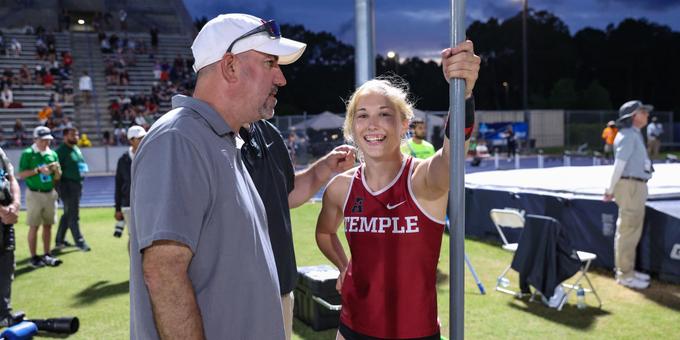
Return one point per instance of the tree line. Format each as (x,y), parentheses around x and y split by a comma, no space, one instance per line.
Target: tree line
(592,69)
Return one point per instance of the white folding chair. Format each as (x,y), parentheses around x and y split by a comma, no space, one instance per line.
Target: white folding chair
(506,218)
(586,259)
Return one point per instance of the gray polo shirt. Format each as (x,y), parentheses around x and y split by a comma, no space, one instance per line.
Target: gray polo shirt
(189,185)
(630,147)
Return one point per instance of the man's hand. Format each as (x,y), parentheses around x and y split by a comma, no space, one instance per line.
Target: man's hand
(9,214)
(608,197)
(461,62)
(118,216)
(342,158)
(45,170)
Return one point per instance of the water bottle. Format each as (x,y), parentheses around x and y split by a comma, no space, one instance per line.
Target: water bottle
(580,298)
(503,282)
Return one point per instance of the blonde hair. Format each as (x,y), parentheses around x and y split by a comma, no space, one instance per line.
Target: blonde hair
(395,89)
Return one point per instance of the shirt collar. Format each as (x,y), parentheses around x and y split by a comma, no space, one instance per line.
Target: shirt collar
(35,149)
(211,116)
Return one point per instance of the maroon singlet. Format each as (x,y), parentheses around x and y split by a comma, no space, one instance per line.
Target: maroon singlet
(390,286)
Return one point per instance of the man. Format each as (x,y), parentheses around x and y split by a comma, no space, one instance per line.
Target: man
(70,189)
(628,185)
(654,131)
(124,180)
(201,259)
(417,146)
(608,135)
(85,86)
(39,167)
(10,201)
(281,189)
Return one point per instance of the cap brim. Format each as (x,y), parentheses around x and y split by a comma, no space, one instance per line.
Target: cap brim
(49,137)
(649,108)
(287,50)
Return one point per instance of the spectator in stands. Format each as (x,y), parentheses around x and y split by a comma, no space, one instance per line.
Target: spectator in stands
(50,38)
(105,46)
(48,80)
(15,47)
(122,18)
(154,38)
(19,132)
(40,48)
(58,112)
(39,167)
(70,189)
(67,60)
(51,51)
(85,86)
(123,78)
(24,76)
(8,77)
(44,114)
(3,44)
(157,70)
(6,96)
(107,139)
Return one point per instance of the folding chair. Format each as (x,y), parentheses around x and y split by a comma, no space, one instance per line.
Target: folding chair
(586,259)
(506,218)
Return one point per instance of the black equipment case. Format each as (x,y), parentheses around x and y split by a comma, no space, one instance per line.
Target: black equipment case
(317,303)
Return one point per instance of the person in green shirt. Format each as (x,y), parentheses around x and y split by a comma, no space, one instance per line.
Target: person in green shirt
(39,167)
(70,189)
(417,146)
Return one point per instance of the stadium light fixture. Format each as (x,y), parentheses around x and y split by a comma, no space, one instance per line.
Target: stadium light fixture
(81,22)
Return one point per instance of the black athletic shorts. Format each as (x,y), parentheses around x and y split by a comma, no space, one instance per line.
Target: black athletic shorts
(349,334)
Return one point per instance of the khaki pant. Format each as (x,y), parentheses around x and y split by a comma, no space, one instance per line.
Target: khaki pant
(630,196)
(41,207)
(287,303)
(653,147)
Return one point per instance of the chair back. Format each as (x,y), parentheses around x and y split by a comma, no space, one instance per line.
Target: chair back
(506,218)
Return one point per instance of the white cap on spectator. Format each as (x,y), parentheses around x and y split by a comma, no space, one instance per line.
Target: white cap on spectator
(212,41)
(136,132)
(42,132)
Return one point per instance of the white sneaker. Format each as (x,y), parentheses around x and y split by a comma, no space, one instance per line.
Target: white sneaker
(641,276)
(633,282)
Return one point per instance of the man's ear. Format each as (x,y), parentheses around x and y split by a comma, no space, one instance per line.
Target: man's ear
(228,66)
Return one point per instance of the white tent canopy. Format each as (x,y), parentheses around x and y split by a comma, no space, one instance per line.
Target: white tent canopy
(430,119)
(323,121)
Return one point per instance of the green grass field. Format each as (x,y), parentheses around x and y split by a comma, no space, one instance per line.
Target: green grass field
(94,287)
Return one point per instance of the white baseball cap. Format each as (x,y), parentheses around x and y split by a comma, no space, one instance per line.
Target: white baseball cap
(136,132)
(212,41)
(42,132)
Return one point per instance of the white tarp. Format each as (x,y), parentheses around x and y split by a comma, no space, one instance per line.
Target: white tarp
(323,121)
(573,180)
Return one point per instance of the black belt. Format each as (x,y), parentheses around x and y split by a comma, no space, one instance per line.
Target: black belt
(635,179)
(39,190)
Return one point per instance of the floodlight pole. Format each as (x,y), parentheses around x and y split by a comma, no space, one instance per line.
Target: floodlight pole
(364,62)
(457,183)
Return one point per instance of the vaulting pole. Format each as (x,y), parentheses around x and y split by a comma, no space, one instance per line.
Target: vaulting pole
(364,54)
(457,183)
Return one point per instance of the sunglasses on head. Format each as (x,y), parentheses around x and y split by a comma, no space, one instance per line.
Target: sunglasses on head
(271,27)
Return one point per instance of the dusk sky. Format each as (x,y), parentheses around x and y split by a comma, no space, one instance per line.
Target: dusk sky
(421,27)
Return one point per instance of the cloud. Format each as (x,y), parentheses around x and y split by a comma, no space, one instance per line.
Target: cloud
(654,5)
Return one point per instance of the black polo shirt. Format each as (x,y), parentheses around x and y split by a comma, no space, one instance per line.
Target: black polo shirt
(266,158)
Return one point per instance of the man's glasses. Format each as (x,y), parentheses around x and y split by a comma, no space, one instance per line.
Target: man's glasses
(271,27)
